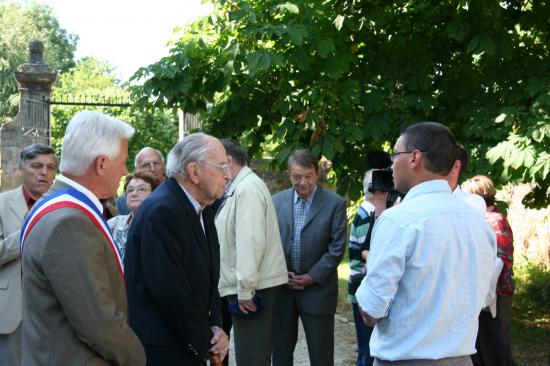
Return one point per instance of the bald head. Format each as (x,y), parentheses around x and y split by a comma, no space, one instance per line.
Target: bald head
(151,160)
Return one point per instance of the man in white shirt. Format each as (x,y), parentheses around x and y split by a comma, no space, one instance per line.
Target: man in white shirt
(430,262)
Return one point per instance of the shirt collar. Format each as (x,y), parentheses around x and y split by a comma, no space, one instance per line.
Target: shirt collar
(430,186)
(82,189)
(197,206)
(29,200)
(309,199)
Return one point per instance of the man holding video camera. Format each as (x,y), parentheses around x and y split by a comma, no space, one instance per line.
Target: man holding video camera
(377,185)
(430,261)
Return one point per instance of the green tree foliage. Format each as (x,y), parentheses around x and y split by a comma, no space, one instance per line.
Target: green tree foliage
(344,77)
(94,80)
(20,24)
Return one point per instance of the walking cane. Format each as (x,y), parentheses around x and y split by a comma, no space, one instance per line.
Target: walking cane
(215,360)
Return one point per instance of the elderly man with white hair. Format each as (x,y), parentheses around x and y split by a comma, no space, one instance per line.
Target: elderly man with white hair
(74,298)
(172,258)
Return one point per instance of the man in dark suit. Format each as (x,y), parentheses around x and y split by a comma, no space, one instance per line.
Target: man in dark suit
(74,300)
(37,164)
(312,223)
(172,258)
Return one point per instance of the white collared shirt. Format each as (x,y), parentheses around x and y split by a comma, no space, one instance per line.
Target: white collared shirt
(79,187)
(196,205)
(429,269)
(474,200)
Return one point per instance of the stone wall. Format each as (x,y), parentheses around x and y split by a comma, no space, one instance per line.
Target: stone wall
(32,123)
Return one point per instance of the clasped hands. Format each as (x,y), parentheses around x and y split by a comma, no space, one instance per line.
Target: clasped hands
(299,282)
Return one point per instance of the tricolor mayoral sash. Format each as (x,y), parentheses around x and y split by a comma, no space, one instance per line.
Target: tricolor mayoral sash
(70,198)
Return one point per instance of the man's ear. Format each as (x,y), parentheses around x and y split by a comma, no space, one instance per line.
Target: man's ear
(100,164)
(416,158)
(193,172)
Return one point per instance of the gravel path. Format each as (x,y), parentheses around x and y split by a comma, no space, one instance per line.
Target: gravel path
(344,348)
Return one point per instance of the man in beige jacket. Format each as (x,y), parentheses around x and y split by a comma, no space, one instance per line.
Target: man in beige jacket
(252,263)
(37,165)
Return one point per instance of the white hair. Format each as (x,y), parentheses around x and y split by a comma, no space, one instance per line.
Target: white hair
(89,135)
(193,148)
(367,182)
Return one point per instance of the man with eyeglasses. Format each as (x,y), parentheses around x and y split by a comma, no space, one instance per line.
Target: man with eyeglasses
(430,262)
(312,223)
(148,159)
(172,258)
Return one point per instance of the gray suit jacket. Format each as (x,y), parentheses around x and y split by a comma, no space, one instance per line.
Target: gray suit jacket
(322,246)
(12,212)
(74,298)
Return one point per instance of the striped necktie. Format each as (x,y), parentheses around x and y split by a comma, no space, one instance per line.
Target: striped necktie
(299,219)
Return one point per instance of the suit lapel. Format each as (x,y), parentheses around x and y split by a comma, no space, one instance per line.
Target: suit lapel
(191,215)
(316,206)
(18,205)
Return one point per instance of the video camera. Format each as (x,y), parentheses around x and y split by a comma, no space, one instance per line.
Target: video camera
(382,176)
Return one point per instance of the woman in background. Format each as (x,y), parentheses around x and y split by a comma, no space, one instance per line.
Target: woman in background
(493,341)
(137,187)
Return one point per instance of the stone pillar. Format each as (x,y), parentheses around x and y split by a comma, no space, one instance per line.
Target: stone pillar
(32,123)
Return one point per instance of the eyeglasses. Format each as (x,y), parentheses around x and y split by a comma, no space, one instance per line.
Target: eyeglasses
(223,167)
(393,157)
(151,164)
(139,190)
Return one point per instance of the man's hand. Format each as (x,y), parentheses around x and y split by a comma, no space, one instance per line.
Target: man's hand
(247,306)
(299,282)
(367,319)
(220,343)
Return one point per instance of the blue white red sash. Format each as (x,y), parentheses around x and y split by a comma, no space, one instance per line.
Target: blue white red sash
(71,198)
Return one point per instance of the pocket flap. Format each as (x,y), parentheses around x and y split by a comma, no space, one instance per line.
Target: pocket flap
(4,284)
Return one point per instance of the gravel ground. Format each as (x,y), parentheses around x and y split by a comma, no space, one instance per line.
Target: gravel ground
(344,347)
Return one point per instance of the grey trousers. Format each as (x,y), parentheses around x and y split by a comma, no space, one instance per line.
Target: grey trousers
(10,348)
(318,329)
(252,336)
(451,361)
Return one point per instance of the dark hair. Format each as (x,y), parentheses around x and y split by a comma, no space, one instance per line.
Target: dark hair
(32,151)
(233,149)
(436,142)
(303,158)
(145,175)
(462,155)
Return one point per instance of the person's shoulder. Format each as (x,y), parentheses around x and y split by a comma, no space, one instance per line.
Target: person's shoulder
(330,195)
(11,193)
(282,194)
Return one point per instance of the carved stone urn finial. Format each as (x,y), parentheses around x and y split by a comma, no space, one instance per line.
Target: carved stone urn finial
(36,49)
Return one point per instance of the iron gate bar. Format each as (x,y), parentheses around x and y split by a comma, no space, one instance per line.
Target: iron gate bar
(90,104)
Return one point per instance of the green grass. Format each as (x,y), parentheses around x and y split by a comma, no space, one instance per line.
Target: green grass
(530,317)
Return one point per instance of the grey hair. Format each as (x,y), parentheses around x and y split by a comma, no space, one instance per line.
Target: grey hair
(192,149)
(89,135)
(367,182)
(143,150)
(32,151)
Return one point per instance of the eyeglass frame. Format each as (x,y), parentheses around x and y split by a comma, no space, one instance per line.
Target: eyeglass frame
(224,167)
(156,164)
(395,155)
(141,190)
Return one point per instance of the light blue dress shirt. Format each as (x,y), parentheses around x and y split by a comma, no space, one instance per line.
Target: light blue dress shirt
(429,270)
